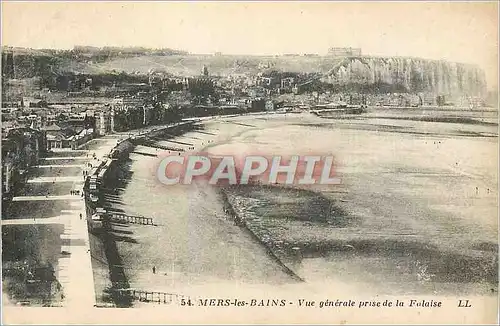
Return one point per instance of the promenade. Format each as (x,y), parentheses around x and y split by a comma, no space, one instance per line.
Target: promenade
(47,200)
(50,209)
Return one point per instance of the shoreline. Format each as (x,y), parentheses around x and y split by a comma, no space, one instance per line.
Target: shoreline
(111,169)
(115,165)
(221,138)
(242,222)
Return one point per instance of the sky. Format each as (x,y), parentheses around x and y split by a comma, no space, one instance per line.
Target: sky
(456,31)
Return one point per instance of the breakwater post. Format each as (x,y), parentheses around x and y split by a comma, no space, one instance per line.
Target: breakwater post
(229,209)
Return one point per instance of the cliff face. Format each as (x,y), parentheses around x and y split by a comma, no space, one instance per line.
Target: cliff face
(410,74)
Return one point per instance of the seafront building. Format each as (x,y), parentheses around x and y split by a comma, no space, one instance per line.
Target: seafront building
(22,148)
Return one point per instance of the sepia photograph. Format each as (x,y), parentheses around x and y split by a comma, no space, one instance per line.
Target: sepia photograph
(250,162)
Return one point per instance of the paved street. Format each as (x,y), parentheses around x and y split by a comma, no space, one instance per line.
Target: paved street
(46,198)
(30,221)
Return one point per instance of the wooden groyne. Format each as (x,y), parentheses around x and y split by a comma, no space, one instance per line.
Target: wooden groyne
(124,218)
(151,296)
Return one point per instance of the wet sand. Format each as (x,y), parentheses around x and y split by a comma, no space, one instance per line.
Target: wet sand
(417,223)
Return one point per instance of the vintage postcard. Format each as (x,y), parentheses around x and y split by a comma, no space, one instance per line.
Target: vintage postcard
(249,162)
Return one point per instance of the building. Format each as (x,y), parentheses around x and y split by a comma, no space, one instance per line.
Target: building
(287,83)
(257,92)
(21,149)
(201,87)
(81,138)
(77,119)
(104,121)
(71,137)
(270,105)
(428,99)
(32,120)
(30,102)
(58,137)
(265,81)
(204,71)
(269,81)
(258,104)
(127,103)
(344,52)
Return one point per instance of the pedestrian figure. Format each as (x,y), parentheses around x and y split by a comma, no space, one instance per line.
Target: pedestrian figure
(80,216)
(154,270)
(477,190)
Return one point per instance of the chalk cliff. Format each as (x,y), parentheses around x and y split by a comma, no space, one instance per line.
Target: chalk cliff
(409,74)
(362,73)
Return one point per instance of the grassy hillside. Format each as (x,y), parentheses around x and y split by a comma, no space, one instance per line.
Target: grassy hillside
(217,65)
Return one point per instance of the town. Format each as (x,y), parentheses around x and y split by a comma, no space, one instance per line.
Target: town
(67,135)
(254,162)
